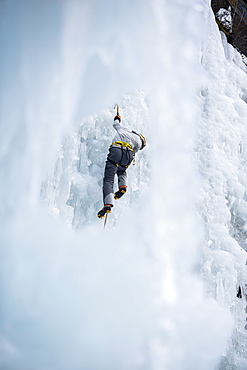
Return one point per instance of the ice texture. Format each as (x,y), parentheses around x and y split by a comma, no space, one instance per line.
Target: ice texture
(163,286)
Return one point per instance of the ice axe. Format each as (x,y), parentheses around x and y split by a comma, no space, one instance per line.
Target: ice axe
(116,106)
(106,216)
(118,115)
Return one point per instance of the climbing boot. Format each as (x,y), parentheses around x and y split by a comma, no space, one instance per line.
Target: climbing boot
(121,191)
(104,210)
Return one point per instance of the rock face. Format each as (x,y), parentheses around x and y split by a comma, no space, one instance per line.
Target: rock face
(237,35)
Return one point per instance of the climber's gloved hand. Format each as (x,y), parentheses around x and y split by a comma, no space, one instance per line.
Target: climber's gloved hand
(117,117)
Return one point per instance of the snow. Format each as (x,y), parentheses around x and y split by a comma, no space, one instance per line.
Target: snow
(157,289)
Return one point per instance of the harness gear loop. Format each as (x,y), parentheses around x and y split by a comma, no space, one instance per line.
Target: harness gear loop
(117,164)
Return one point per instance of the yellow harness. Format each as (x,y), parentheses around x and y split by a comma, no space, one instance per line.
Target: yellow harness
(122,144)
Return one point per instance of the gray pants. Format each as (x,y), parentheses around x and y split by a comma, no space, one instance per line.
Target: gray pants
(123,157)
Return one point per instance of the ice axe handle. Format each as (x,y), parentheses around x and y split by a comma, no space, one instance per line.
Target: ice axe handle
(118,115)
(117,106)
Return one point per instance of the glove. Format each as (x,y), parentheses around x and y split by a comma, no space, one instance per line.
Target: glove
(117,117)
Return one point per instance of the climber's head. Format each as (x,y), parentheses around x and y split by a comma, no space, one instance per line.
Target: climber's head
(144,142)
(143,139)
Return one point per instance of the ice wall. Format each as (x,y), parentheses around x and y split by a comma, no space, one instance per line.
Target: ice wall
(221,152)
(131,297)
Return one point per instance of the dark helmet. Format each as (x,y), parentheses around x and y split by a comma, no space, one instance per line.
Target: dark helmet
(143,139)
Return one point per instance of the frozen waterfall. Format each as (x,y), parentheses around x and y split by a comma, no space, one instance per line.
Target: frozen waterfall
(157,289)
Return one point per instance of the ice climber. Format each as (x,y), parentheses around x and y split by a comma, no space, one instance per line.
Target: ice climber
(122,151)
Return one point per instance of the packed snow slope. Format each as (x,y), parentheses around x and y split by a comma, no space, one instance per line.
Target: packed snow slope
(157,289)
